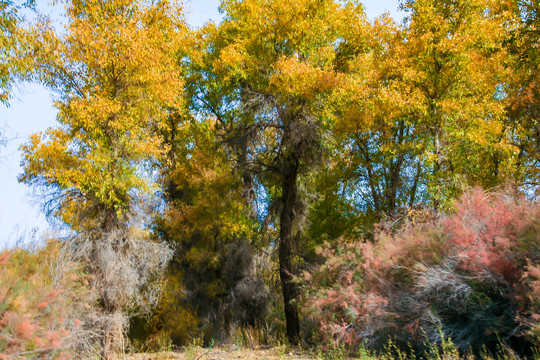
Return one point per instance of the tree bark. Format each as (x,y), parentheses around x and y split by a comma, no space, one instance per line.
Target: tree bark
(288,238)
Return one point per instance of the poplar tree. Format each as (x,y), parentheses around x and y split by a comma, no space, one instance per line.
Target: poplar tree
(268,70)
(115,71)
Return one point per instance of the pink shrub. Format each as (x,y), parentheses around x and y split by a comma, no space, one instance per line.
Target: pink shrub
(486,234)
(40,294)
(472,276)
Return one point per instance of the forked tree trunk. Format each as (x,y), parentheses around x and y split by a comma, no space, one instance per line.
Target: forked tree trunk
(288,239)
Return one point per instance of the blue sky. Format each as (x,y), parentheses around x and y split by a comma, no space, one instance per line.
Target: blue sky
(32,111)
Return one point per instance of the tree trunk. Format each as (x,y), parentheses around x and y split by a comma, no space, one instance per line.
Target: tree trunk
(111,323)
(288,238)
(106,345)
(248,192)
(113,334)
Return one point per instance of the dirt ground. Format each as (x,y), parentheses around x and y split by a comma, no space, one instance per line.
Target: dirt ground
(225,354)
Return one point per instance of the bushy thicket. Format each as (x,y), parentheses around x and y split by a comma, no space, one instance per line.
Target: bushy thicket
(127,267)
(214,281)
(207,302)
(44,303)
(472,277)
